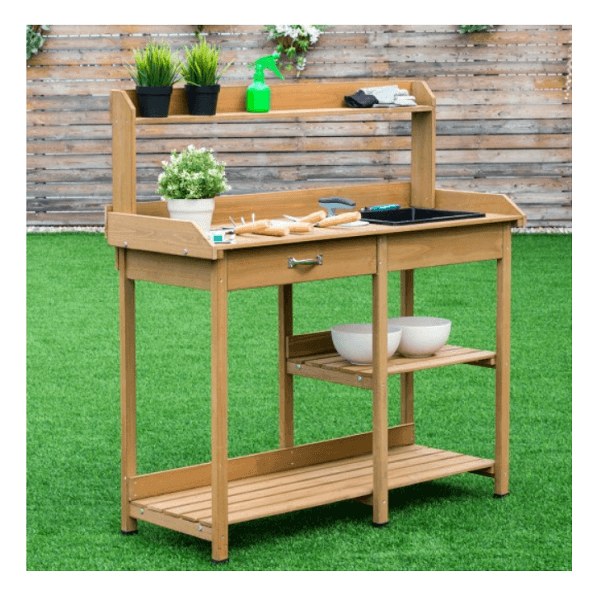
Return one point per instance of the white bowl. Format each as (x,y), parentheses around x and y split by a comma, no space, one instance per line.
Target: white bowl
(421,336)
(354,341)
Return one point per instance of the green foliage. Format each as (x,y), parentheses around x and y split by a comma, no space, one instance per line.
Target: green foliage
(155,66)
(473,28)
(193,173)
(200,67)
(293,41)
(35,38)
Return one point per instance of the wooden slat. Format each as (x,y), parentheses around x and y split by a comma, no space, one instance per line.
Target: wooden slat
(278,482)
(83,30)
(263,464)
(162,519)
(308,143)
(324,159)
(330,366)
(297,489)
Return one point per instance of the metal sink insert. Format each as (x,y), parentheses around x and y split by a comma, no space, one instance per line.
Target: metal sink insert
(413,215)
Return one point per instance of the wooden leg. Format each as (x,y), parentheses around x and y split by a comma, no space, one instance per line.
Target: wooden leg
(380,377)
(286,382)
(219,391)
(503,367)
(128,391)
(406,379)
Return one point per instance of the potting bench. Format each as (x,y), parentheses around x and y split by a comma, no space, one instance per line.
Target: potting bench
(203,500)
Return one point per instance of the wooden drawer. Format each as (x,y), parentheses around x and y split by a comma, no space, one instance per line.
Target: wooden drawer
(259,267)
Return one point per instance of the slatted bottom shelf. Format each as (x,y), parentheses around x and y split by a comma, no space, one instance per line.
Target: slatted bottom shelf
(315,485)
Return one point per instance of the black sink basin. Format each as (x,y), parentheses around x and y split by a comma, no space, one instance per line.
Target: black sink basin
(412,215)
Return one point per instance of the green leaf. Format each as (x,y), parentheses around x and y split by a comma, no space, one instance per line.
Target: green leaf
(155,66)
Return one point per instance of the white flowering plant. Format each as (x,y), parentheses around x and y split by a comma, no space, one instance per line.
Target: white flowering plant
(193,173)
(292,42)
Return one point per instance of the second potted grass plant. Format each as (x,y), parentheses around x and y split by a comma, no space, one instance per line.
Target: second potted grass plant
(200,73)
(156,70)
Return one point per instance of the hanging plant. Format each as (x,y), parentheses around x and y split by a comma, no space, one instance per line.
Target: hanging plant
(292,42)
(35,38)
(473,28)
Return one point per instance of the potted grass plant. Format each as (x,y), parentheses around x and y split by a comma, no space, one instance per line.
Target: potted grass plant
(156,69)
(189,183)
(200,74)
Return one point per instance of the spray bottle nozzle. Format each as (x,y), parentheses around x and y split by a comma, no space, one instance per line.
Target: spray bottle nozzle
(267,62)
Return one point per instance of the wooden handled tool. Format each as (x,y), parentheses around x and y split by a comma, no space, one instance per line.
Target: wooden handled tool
(313,217)
(276,231)
(299,227)
(254,227)
(347,217)
(264,227)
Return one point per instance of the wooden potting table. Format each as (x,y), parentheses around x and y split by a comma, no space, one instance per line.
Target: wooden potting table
(203,500)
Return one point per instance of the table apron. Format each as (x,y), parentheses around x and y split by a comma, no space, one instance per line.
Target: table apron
(259,267)
(413,250)
(266,266)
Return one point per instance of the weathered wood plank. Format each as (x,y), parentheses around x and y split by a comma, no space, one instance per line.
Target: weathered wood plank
(83,30)
(503,112)
(458,128)
(304,144)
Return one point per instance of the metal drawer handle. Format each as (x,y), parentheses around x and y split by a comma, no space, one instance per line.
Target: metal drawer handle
(318,260)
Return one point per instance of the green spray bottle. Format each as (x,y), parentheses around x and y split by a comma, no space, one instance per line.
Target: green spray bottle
(258,94)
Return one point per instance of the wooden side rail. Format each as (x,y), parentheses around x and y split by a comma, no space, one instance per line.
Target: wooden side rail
(163,482)
(157,234)
(477,201)
(122,114)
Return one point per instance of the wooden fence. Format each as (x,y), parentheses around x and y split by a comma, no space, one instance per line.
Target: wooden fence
(503,123)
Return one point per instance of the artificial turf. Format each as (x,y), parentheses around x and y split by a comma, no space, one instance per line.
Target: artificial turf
(454,524)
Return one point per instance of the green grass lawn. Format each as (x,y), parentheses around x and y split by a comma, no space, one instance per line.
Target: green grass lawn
(454,524)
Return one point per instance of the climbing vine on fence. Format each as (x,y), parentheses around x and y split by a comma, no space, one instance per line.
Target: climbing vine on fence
(35,38)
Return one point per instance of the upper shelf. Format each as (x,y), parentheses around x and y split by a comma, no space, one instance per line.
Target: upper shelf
(292,100)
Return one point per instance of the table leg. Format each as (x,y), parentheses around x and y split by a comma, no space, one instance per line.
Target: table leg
(286,382)
(128,389)
(406,379)
(219,391)
(380,377)
(503,367)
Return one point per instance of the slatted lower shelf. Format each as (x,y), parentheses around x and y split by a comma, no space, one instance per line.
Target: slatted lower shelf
(315,485)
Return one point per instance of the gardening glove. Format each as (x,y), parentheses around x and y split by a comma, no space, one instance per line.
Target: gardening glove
(391,95)
(386,96)
(360,100)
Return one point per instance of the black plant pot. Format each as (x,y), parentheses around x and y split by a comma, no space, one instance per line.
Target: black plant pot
(154,101)
(202,99)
